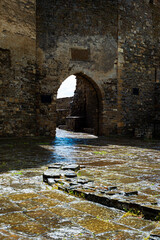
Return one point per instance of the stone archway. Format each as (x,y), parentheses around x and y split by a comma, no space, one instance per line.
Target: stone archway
(85,107)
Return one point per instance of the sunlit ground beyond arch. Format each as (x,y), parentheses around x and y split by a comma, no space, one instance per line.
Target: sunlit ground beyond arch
(68,87)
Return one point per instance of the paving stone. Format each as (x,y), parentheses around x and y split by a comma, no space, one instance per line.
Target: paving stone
(23,196)
(131,193)
(111,199)
(58,180)
(73,182)
(75,186)
(8,235)
(65,212)
(68,231)
(13,218)
(30,228)
(151,227)
(33,202)
(156,233)
(121,235)
(112,193)
(7,206)
(134,222)
(58,196)
(98,226)
(43,216)
(29,205)
(82,180)
(31,174)
(151,191)
(55,166)
(96,210)
(70,174)
(66,186)
(126,180)
(73,167)
(87,186)
(51,181)
(51,174)
(50,167)
(46,202)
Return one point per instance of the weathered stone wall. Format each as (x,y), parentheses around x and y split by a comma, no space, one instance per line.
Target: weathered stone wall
(63,109)
(137,60)
(112,44)
(76,37)
(85,104)
(17,67)
(156,132)
(156,39)
(63,103)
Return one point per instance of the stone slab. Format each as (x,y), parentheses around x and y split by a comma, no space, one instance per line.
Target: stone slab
(148,213)
(51,181)
(70,174)
(51,174)
(73,167)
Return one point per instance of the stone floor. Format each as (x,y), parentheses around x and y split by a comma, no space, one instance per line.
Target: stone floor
(31,209)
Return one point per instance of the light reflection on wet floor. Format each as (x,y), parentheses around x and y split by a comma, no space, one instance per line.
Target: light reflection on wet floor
(128,164)
(71,147)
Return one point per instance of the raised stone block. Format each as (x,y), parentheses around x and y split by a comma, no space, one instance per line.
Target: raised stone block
(131,193)
(70,174)
(82,181)
(54,166)
(73,167)
(51,174)
(51,181)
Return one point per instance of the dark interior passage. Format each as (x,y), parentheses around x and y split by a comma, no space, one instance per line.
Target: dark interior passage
(81,112)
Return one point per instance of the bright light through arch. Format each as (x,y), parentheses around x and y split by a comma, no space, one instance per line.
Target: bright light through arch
(67,88)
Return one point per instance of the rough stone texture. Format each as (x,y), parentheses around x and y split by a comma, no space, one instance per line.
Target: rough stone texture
(157,110)
(82,28)
(112,45)
(64,103)
(116,52)
(63,109)
(17,67)
(138,59)
(69,182)
(86,104)
(23,195)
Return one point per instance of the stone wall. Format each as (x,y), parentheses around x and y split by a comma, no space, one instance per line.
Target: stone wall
(85,104)
(138,59)
(114,45)
(157,111)
(63,109)
(156,39)
(17,68)
(76,37)
(117,51)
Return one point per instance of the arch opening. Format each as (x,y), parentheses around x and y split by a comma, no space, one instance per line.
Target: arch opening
(81,111)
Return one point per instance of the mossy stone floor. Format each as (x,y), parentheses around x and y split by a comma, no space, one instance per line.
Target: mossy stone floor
(31,209)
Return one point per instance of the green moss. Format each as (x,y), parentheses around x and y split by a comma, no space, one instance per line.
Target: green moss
(132,212)
(17,173)
(158,217)
(101,152)
(79,174)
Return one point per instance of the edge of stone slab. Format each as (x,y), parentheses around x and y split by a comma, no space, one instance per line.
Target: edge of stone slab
(148,213)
